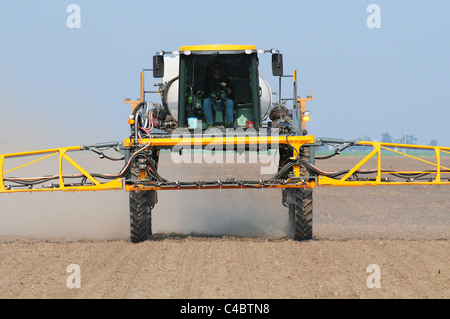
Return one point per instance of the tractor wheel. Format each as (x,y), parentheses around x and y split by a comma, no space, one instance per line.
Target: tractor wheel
(302,214)
(300,203)
(141,204)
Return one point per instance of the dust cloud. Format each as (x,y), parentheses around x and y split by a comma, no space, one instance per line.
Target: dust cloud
(64,215)
(251,213)
(241,212)
(104,215)
(99,215)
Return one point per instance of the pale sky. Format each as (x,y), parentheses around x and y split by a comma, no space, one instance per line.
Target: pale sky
(61,86)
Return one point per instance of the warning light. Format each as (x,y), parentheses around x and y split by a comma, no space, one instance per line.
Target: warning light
(306,116)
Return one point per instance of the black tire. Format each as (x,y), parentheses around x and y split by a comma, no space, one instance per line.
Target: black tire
(303,204)
(303,214)
(141,205)
(300,203)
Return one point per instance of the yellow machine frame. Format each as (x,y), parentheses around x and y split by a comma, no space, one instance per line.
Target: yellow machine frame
(62,154)
(377,148)
(295,141)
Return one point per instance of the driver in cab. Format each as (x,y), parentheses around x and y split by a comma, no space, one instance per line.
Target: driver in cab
(218,89)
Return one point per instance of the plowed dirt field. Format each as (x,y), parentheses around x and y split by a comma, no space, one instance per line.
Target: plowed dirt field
(229,243)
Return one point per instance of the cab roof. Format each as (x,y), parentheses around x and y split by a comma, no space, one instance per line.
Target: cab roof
(218,47)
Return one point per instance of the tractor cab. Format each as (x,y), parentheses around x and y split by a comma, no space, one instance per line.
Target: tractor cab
(223,79)
(193,95)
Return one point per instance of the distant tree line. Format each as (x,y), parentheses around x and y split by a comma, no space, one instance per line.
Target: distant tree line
(405,139)
(385,138)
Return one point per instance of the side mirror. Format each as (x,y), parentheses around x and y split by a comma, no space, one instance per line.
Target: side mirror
(277,64)
(158,66)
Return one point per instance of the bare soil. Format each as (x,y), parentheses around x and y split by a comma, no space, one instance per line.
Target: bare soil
(229,243)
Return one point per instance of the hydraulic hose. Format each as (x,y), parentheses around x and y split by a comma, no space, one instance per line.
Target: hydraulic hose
(136,119)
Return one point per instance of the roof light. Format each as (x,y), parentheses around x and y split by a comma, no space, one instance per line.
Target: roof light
(187,52)
(175,52)
(248,51)
(160,52)
(306,116)
(260,51)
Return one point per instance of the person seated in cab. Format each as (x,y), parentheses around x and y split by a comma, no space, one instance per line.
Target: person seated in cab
(217,90)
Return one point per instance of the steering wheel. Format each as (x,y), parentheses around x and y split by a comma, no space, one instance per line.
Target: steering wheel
(218,94)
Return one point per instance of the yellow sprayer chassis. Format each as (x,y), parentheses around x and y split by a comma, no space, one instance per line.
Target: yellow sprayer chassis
(295,141)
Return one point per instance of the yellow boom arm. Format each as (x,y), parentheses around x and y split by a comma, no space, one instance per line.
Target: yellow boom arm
(438,174)
(62,185)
